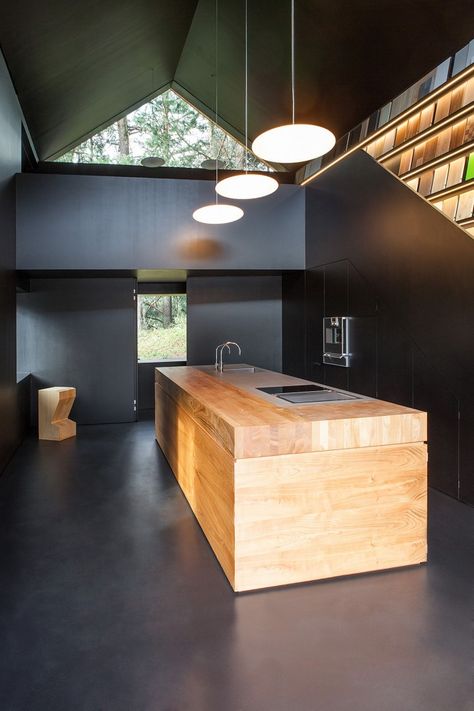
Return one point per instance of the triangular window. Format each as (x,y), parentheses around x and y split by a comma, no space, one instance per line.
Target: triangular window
(166,128)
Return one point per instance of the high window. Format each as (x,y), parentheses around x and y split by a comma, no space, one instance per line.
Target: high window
(161,322)
(167,127)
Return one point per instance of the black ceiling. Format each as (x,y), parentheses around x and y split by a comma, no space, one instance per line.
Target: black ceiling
(77,66)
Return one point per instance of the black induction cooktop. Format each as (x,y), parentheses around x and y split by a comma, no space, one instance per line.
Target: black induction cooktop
(285,389)
(306,394)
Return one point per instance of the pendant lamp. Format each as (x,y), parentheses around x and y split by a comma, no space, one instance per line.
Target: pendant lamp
(294,142)
(152,162)
(246,186)
(217,213)
(210,164)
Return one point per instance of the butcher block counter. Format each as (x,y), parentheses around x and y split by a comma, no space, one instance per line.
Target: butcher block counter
(287,493)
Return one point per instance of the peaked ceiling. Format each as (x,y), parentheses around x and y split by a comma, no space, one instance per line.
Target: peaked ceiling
(78,66)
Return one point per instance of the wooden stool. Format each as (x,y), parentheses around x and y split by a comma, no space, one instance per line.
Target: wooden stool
(54,406)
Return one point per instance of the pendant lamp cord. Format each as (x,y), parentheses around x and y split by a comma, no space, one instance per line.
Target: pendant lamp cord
(246,91)
(293,60)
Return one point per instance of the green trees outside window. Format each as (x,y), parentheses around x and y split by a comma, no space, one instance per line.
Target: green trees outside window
(161,322)
(168,127)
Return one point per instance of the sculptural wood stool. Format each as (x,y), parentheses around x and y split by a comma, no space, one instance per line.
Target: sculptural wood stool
(54,406)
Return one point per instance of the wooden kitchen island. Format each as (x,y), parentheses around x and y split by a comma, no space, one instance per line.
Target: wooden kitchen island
(287,493)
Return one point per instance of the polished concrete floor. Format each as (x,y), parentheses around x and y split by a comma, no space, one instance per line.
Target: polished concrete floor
(111,600)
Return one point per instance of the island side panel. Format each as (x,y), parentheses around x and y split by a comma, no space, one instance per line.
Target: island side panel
(219,430)
(205,472)
(323,514)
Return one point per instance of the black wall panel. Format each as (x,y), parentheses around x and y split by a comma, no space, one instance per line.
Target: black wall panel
(362,307)
(82,333)
(411,271)
(98,222)
(294,337)
(10,163)
(466,452)
(432,393)
(395,353)
(245,309)
(314,318)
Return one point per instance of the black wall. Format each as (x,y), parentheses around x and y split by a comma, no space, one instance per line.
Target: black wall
(82,333)
(96,222)
(10,163)
(245,309)
(377,251)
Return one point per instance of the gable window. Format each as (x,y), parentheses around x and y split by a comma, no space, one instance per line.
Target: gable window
(169,131)
(161,320)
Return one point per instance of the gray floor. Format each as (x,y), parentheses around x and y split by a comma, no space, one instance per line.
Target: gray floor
(111,600)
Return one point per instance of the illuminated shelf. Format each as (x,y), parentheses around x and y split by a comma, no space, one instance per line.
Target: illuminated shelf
(439,162)
(466,223)
(424,136)
(452,190)
(304,174)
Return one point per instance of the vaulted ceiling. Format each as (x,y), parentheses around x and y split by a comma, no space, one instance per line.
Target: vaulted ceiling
(78,66)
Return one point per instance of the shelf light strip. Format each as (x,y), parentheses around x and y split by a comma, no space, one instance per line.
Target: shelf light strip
(466,221)
(438,93)
(457,189)
(424,135)
(441,160)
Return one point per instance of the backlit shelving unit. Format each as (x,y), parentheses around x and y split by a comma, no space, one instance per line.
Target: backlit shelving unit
(425,136)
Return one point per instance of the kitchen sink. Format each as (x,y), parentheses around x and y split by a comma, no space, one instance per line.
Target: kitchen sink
(237,368)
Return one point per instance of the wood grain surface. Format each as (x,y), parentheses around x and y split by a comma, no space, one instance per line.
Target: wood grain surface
(205,473)
(247,425)
(326,503)
(322,514)
(54,406)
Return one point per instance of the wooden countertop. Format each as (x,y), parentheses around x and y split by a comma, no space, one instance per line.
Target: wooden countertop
(252,424)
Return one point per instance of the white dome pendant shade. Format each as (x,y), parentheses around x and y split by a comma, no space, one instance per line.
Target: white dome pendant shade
(218,214)
(246,186)
(293,143)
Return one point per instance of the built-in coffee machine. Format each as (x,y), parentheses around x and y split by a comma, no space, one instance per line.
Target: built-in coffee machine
(336,338)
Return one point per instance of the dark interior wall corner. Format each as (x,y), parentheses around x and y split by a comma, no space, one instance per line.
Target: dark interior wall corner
(10,163)
(377,251)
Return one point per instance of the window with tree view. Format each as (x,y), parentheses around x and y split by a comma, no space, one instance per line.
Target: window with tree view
(161,327)
(167,127)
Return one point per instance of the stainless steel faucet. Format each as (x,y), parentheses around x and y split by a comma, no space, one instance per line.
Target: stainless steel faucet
(219,349)
(219,366)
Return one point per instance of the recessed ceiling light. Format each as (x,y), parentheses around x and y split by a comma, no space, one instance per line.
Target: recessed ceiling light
(152,162)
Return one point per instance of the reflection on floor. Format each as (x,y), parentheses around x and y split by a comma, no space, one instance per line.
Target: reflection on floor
(111,600)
